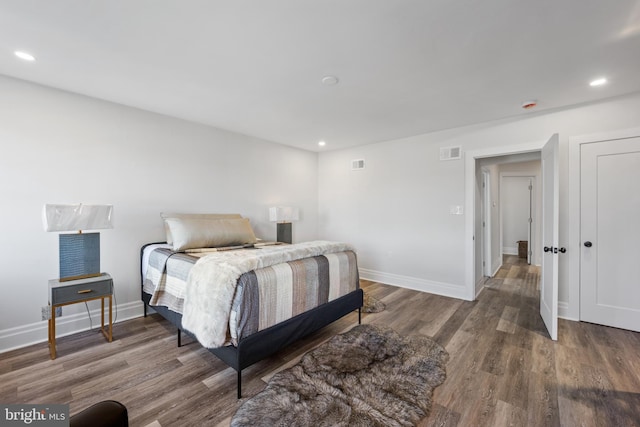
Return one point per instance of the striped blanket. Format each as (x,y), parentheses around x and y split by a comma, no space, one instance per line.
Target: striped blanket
(288,280)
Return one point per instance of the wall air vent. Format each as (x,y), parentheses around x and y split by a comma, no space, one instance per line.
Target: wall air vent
(357,164)
(450,153)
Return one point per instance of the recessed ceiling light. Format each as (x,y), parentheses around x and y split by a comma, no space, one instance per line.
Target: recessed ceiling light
(329,80)
(24,55)
(598,82)
(322,143)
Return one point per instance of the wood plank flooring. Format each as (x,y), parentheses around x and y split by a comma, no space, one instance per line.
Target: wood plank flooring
(503,369)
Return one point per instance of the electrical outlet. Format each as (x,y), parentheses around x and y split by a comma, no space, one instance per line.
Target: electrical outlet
(46,312)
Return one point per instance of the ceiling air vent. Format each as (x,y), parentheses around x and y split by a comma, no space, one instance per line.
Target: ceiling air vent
(450,153)
(357,165)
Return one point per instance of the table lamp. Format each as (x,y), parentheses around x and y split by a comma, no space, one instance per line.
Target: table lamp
(79,252)
(283,215)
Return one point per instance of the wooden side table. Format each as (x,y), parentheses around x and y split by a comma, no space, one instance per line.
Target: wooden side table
(75,291)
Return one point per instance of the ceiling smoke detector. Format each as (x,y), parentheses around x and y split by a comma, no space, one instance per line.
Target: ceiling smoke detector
(330,80)
(527,105)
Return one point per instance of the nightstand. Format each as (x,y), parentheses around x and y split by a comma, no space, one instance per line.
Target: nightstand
(75,291)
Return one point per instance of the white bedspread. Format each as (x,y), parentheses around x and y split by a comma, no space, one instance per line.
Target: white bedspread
(212,283)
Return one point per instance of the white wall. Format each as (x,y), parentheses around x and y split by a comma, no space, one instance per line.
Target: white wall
(396,211)
(516,203)
(59,147)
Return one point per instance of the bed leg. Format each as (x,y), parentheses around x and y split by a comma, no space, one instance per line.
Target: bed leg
(360,316)
(145,309)
(239,384)
(179,338)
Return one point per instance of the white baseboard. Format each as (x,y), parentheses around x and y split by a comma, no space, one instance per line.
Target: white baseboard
(563,310)
(509,250)
(479,288)
(497,267)
(417,284)
(22,336)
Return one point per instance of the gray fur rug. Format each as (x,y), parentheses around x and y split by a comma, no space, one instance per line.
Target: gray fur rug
(368,376)
(372,304)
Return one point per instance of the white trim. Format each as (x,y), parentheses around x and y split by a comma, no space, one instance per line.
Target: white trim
(469,196)
(509,250)
(564,312)
(497,267)
(605,136)
(574,244)
(486,216)
(415,283)
(22,336)
(480,288)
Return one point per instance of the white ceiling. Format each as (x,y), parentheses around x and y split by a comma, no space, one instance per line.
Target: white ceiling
(255,66)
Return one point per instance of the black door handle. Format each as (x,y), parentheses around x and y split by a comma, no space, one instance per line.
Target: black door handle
(588,244)
(563,250)
(548,249)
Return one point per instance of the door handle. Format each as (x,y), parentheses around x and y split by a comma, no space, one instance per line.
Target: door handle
(556,250)
(588,244)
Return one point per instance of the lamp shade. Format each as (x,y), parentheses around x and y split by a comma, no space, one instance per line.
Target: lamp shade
(77,217)
(283,214)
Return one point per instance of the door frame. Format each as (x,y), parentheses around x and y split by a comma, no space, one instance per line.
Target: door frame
(486,230)
(470,291)
(574,245)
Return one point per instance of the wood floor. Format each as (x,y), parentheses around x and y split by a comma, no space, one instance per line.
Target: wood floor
(503,370)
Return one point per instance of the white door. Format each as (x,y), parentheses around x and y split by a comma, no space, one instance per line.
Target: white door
(550,216)
(487,261)
(610,233)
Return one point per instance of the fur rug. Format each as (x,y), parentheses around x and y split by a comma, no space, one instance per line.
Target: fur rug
(372,304)
(369,376)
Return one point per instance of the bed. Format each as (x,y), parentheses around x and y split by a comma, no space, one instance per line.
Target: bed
(243,299)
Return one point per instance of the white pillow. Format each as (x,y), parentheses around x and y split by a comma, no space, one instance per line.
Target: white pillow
(191,233)
(167,231)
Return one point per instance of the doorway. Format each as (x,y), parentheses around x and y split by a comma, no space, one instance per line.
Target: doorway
(547,151)
(516,213)
(495,210)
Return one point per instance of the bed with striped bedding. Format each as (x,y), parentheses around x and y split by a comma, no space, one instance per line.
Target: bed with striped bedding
(263,297)
(271,306)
